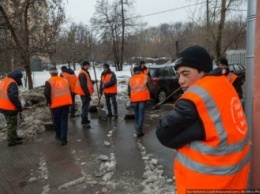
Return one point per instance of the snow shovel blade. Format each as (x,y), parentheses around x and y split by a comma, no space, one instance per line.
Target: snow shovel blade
(101,113)
(93,108)
(130,115)
(48,126)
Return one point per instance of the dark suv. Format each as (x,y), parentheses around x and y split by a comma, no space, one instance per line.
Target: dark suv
(163,82)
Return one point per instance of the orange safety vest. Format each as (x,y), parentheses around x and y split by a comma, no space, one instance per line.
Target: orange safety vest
(139,90)
(72,79)
(221,161)
(109,90)
(60,92)
(78,89)
(231,77)
(5,103)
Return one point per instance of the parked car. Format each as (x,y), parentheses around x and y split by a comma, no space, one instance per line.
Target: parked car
(238,69)
(163,82)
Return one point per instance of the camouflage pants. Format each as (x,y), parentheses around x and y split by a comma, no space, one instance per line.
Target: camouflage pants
(11,128)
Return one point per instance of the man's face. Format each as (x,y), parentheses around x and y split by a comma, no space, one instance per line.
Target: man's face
(105,69)
(222,66)
(87,67)
(187,76)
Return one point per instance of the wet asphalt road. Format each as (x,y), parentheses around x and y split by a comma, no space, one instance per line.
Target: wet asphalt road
(129,164)
(44,166)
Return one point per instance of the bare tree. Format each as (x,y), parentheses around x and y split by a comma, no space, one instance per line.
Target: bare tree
(112,20)
(75,44)
(34,26)
(217,12)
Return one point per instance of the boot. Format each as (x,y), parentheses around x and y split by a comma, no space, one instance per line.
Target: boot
(109,114)
(115,114)
(84,120)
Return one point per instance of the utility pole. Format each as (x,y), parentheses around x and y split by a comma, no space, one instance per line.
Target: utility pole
(252,98)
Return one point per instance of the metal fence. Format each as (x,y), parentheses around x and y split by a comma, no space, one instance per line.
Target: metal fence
(236,56)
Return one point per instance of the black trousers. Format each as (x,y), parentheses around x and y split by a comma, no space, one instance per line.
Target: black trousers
(114,103)
(85,108)
(60,118)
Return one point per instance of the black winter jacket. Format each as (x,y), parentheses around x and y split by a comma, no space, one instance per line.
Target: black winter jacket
(237,85)
(47,93)
(83,83)
(182,125)
(110,83)
(13,94)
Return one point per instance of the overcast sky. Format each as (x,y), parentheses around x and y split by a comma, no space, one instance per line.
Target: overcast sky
(83,10)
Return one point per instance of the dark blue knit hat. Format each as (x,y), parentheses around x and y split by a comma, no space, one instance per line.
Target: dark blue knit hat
(64,68)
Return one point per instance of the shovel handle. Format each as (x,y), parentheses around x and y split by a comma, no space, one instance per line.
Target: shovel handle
(158,104)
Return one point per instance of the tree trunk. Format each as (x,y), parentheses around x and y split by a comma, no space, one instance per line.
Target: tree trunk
(123,37)
(25,60)
(29,76)
(218,44)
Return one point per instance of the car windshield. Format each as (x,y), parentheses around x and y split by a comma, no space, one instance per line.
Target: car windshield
(153,72)
(234,67)
(231,68)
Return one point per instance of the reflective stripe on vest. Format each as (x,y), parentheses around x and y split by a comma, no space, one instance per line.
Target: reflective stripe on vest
(78,89)
(231,77)
(222,149)
(217,170)
(5,103)
(60,93)
(111,89)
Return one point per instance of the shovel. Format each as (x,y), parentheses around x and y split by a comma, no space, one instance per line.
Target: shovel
(93,108)
(159,104)
(101,112)
(49,125)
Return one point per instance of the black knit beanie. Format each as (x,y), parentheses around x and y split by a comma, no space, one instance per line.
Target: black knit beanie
(85,63)
(196,57)
(106,65)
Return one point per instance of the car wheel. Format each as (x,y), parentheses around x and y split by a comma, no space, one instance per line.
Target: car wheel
(162,95)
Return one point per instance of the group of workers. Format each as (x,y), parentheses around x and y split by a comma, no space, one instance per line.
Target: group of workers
(206,126)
